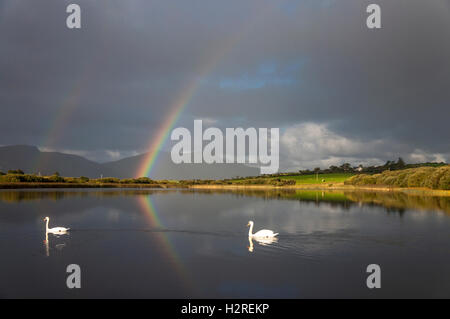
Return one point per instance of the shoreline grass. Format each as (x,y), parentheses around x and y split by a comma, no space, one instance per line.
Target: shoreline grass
(437,178)
(424,180)
(25,185)
(334,187)
(300,187)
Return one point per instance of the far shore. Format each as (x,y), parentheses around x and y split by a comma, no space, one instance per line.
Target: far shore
(316,187)
(24,185)
(333,187)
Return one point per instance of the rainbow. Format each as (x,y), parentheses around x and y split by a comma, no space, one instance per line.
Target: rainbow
(177,108)
(162,237)
(188,92)
(63,116)
(68,107)
(163,132)
(70,102)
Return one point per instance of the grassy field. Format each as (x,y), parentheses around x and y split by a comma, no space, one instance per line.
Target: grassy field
(313,179)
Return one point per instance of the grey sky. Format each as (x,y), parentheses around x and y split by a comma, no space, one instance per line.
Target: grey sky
(338,91)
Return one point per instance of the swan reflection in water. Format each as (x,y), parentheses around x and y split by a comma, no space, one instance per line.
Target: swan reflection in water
(261,241)
(57,231)
(57,246)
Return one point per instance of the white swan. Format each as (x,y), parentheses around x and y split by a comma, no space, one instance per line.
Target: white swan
(263,233)
(54,230)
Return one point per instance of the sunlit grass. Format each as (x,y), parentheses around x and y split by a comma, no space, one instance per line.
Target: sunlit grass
(320,178)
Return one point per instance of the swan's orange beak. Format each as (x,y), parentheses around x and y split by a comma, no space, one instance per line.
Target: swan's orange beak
(248,224)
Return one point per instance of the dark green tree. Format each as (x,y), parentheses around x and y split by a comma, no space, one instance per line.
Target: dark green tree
(16,171)
(84,179)
(400,163)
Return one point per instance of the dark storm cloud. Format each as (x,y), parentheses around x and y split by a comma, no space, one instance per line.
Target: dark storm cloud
(109,85)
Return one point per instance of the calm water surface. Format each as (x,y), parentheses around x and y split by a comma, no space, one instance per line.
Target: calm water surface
(180,244)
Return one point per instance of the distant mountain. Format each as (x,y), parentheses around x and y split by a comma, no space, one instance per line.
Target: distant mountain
(31,160)
(164,168)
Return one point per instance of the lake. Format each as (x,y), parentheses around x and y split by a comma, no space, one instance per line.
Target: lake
(194,244)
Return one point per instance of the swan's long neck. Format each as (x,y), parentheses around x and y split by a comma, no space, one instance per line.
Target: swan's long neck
(46,226)
(250,231)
